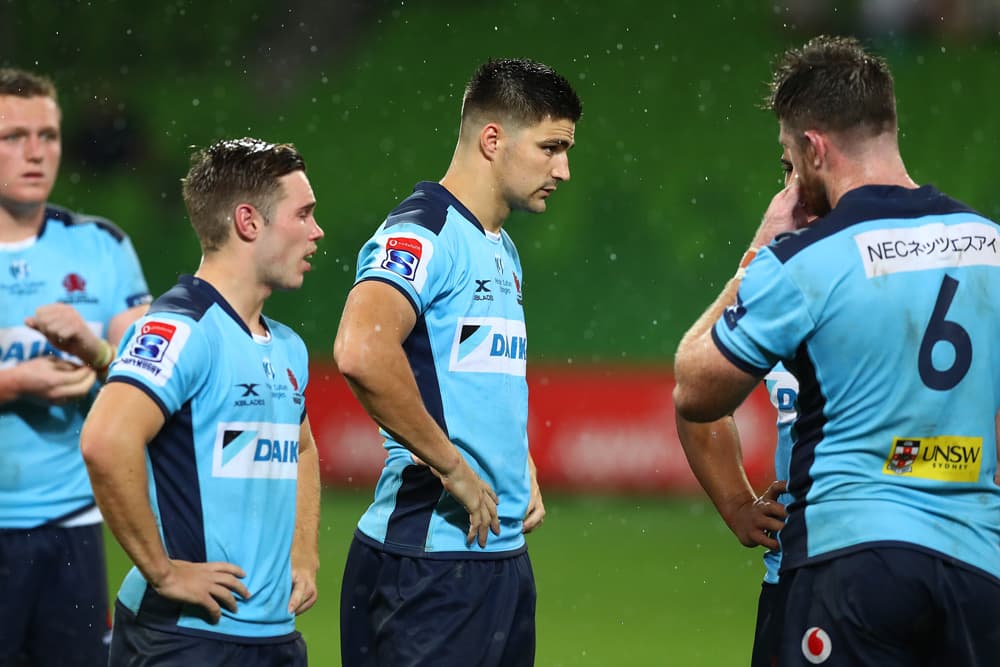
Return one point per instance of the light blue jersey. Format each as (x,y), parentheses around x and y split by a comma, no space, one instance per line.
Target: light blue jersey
(783,389)
(467,351)
(223,468)
(90,264)
(886,312)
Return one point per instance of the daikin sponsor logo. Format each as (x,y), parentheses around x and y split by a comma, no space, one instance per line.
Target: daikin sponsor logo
(256,450)
(489,345)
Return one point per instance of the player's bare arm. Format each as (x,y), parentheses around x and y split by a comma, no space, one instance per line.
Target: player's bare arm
(536,508)
(708,385)
(305,544)
(368,351)
(716,458)
(121,423)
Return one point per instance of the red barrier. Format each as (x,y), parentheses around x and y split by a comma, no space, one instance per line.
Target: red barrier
(593,428)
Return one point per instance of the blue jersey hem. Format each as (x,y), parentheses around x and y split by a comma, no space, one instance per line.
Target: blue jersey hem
(887,544)
(412,552)
(121,608)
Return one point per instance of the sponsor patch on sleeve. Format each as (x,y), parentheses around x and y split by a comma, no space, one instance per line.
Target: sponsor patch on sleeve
(407,256)
(153,350)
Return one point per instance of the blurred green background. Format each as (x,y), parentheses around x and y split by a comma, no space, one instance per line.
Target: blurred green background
(674,165)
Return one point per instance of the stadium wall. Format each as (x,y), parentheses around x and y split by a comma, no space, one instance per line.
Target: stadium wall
(598,428)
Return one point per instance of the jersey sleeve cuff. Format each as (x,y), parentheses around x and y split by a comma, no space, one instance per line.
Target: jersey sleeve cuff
(144,389)
(735,360)
(416,309)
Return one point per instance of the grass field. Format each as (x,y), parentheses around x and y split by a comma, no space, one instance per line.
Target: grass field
(622,582)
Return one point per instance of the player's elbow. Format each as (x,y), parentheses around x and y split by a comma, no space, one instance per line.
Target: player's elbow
(93,446)
(349,358)
(692,406)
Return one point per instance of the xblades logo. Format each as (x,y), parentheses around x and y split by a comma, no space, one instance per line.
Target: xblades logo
(249,397)
(249,389)
(481,286)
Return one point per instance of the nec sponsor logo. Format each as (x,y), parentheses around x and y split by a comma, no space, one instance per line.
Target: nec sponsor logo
(944,458)
(489,345)
(256,450)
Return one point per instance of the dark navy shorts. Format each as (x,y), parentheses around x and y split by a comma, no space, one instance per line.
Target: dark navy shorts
(770,614)
(398,611)
(134,645)
(891,607)
(53,596)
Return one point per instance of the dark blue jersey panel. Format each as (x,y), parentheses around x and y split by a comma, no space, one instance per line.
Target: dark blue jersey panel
(69,218)
(871,202)
(192,297)
(416,499)
(428,207)
(178,492)
(418,351)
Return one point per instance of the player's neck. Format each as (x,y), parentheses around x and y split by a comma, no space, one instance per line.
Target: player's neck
(244,294)
(873,162)
(20,221)
(478,194)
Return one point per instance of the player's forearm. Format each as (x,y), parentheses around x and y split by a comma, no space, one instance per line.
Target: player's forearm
(386,388)
(716,459)
(117,469)
(305,544)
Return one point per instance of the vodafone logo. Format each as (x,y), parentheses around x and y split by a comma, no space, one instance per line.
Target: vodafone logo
(816,645)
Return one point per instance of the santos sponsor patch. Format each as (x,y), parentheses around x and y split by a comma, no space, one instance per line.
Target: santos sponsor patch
(489,345)
(256,450)
(153,350)
(945,458)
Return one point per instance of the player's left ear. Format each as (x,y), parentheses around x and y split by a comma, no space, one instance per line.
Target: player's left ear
(489,140)
(816,148)
(247,221)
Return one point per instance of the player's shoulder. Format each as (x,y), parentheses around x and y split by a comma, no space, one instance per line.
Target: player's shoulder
(431,210)
(870,204)
(187,301)
(80,223)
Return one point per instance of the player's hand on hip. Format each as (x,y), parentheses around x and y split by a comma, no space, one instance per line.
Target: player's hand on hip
(209,585)
(64,327)
(304,591)
(478,499)
(54,380)
(535,515)
(756,523)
